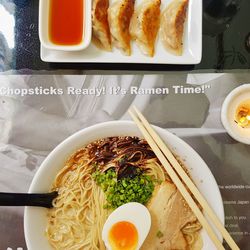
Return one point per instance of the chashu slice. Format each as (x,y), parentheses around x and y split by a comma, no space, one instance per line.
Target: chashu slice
(169,213)
(101,32)
(172,26)
(145,25)
(119,16)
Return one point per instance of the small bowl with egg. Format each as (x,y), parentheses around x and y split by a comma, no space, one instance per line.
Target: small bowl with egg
(65,25)
(235,114)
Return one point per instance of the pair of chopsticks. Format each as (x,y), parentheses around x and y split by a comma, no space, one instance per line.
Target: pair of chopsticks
(172,167)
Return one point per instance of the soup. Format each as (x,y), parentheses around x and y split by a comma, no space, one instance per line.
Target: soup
(107,174)
(66,22)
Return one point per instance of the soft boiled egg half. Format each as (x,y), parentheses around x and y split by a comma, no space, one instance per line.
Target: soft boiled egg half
(127,227)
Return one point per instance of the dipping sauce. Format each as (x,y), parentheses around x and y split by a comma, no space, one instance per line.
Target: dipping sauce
(123,236)
(66,22)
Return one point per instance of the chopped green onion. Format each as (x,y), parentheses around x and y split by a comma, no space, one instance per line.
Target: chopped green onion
(119,192)
(159,234)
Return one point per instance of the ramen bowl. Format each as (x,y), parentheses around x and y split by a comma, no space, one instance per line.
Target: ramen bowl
(35,219)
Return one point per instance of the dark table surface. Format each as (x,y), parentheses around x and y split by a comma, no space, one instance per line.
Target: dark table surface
(226,40)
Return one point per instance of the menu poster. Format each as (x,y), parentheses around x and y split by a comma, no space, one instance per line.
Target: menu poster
(38,112)
(124,125)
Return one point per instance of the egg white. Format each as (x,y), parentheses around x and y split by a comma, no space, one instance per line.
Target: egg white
(132,212)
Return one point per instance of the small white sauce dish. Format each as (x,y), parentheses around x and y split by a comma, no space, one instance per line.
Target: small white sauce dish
(229,109)
(44,12)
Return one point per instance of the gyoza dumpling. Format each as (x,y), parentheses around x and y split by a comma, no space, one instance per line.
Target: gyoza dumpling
(120,13)
(145,24)
(172,26)
(101,32)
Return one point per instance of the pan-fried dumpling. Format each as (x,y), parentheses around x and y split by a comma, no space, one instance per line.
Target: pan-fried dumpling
(145,25)
(172,26)
(120,14)
(101,32)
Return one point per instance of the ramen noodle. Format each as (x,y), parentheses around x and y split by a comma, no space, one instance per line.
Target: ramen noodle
(83,203)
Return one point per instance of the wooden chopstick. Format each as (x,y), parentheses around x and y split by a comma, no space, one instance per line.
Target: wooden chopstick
(172,160)
(176,180)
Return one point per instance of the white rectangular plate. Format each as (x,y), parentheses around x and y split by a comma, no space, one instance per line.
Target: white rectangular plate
(191,54)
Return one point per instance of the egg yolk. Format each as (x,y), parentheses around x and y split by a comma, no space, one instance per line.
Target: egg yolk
(243,115)
(123,236)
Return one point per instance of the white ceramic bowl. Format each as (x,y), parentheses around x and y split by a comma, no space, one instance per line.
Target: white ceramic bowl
(35,219)
(44,28)
(229,108)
